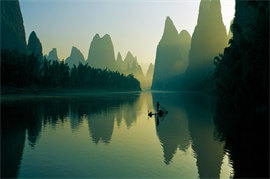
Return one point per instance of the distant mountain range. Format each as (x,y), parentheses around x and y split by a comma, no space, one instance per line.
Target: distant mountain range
(101,51)
(182,61)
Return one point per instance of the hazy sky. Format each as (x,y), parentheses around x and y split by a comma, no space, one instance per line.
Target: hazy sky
(134,25)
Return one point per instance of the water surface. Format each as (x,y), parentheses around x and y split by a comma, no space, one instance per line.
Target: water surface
(110,134)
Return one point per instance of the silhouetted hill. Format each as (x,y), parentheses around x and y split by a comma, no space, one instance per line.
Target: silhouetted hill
(208,40)
(12,28)
(53,55)
(75,57)
(171,57)
(34,45)
(101,53)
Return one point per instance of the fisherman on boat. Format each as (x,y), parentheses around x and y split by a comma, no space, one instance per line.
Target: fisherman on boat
(160,112)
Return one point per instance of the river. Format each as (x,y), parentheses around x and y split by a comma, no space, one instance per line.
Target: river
(111,135)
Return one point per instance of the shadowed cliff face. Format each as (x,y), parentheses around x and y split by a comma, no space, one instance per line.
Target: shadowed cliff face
(75,57)
(34,45)
(101,53)
(208,40)
(171,56)
(53,55)
(12,28)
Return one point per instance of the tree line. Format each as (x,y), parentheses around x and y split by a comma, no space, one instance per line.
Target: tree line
(242,72)
(21,70)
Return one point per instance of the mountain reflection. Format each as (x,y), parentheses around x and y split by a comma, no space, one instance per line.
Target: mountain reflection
(173,129)
(101,126)
(29,114)
(12,140)
(190,118)
(246,136)
(188,125)
(208,150)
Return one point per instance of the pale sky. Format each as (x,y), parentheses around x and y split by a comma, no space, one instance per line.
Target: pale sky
(134,25)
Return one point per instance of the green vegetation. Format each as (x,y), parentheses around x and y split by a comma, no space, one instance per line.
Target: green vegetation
(20,70)
(242,72)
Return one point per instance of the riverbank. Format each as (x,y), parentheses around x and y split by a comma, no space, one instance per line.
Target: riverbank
(39,91)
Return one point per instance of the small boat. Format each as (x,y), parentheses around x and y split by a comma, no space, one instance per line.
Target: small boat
(160,112)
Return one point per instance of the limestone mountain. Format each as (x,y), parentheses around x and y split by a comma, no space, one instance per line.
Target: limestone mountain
(53,55)
(171,56)
(119,62)
(136,70)
(131,65)
(185,41)
(128,61)
(75,57)
(150,71)
(34,45)
(101,53)
(149,76)
(208,40)
(12,28)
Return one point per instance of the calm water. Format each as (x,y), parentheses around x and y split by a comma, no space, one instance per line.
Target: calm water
(111,135)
